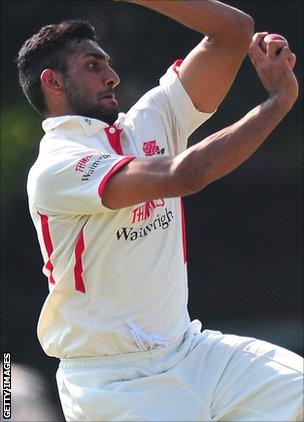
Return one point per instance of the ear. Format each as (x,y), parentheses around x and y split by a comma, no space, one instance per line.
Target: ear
(52,81)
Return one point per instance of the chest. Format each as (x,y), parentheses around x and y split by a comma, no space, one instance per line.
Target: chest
(147,140)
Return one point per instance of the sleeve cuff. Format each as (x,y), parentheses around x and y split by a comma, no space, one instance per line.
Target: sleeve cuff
(124,161)
(180,101)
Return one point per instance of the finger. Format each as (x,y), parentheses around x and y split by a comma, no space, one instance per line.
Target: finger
(271,49)
(286,54)
(255,51)
(292,60)
(258,36)
(279,45)
(288,57)
(256,39)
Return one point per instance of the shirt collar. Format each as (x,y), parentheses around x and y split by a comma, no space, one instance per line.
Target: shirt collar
(77,123)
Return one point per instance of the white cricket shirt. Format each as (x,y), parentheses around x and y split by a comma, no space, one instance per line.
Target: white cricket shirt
(117,279)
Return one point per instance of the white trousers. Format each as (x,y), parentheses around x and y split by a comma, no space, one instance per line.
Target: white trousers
(208,377)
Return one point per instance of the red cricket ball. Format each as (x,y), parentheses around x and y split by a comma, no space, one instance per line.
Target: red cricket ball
(272,37)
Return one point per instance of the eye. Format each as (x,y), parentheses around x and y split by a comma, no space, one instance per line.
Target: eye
(93,65)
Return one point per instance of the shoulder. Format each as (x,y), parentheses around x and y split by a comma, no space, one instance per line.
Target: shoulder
(58,157)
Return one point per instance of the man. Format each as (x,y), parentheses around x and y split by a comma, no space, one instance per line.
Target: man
(104,195)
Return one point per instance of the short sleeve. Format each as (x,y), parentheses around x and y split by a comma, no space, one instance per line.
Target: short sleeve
(74,186)
(188,117)
(166,114)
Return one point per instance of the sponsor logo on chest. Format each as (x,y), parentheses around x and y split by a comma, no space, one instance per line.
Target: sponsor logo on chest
(146,212)
(161,221)
(150,148)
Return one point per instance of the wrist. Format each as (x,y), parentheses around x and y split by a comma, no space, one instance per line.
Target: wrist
(281,101)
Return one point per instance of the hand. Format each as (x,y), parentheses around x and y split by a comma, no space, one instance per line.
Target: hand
(275,69)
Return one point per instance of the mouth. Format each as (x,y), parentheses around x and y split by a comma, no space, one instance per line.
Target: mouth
(109,98)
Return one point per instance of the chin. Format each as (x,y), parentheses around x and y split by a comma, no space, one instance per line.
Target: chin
(108,119)
(106,114)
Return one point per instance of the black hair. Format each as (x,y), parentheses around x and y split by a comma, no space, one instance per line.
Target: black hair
(48,48)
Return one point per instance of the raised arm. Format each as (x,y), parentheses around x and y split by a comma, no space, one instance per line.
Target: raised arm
(218,154)
(210,68)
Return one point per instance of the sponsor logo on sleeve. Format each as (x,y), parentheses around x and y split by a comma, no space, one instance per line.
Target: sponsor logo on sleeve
(87,165)
(151,148)
(82,163)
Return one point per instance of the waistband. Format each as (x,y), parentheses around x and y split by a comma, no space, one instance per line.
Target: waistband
(178,347)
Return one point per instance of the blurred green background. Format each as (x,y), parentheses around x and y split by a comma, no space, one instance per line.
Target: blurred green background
(244,231)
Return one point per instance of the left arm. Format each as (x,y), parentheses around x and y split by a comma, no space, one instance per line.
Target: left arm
(220,153)
(209,69)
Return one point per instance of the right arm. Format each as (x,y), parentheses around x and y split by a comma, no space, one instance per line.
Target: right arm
(218,154)
(208,71)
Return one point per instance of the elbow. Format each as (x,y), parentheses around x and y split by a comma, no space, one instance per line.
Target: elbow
(247,24)
(244,30)
(238,32)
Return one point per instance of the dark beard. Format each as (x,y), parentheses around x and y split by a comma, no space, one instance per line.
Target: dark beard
(78,102)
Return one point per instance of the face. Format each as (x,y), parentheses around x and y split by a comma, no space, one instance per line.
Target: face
(90,82)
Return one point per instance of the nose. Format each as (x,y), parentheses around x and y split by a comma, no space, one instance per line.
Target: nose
(112,79)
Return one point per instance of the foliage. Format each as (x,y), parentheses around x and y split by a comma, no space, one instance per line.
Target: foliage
(20,135)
